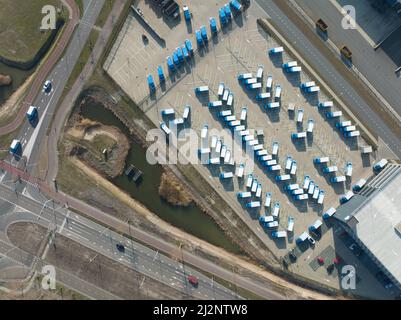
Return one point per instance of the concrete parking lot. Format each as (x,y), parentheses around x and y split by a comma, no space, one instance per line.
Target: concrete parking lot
(240,48)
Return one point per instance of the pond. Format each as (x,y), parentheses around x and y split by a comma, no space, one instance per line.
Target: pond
(18,76)
(190,219)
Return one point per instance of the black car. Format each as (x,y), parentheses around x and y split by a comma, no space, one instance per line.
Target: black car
(120,247)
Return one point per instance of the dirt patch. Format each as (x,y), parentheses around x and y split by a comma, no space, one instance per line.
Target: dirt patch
(173,192)
(5,80)
(104,148)
(29,236)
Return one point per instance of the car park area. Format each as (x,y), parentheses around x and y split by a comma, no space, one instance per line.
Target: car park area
(293,123)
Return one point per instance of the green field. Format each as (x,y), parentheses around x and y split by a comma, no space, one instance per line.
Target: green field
(20,34)
(101,19)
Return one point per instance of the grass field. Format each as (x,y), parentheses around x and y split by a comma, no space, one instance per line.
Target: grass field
(101,19)
(20,34)
(80,6)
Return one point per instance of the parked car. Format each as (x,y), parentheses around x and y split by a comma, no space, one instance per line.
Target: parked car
(330,268)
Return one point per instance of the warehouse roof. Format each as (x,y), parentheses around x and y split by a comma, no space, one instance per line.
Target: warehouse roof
(376,218)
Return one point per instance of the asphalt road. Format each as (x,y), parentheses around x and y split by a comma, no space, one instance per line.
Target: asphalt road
(332,76)
(46,103)
(30,136)
(45,68)
(377,66)
(103,240)
(67,103)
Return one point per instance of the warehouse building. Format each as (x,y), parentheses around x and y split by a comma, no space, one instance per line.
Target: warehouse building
(373,218)
(395,4)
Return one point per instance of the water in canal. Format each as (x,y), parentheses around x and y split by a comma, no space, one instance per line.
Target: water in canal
(18,76)
(190,219)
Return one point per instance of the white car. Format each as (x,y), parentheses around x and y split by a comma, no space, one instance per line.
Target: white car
(47,87)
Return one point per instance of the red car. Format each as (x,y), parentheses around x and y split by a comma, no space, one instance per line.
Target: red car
(193,280)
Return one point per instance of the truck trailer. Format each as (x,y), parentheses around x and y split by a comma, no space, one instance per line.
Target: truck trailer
(273,105)
(380,165)
(290,225)
(306,85)
(15,146)
(226,175)
(249,181)
(244,76)
(201,89)
(266,219)
(338,179)
(283,177)
(312,89)
(275,148)
(263,96)
(330,169)
(268,199)
(311,125)
(359,185)
(253,204)
(214,104)
(187,111)
(213,25)
(276,209)
(329,213)
(279,234)
(334,114)
(325,104)
(300,115)
(290,64)
(293,170)
(269,83)
(164,127)
(288,163)
(298,135)
(348,169)
(321,160)
(352,134)
(240,171)
(346,197)
(32,113)
(275,50)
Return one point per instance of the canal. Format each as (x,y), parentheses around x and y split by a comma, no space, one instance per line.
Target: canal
(190,219)
(18,78)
